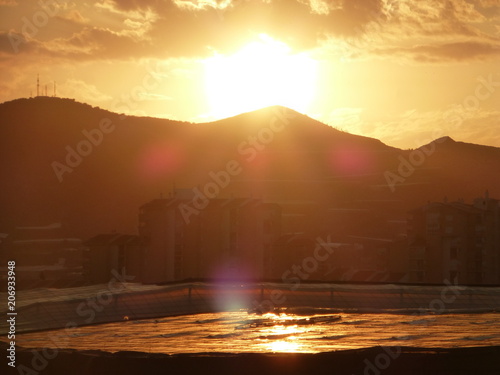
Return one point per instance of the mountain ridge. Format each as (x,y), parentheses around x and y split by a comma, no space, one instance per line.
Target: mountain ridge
(65,161)
(245,116)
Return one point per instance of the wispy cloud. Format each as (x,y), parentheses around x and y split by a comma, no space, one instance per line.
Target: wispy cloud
(446,52)
(8,3)
(424,31)
(412,129)
(90,93)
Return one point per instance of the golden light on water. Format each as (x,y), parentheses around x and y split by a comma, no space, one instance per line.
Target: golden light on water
(282,338)
(285,343)
(236,332)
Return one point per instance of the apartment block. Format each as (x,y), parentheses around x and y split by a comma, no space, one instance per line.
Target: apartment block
(455,241)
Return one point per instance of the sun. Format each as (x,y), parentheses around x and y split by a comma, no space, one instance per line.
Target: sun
(261,74)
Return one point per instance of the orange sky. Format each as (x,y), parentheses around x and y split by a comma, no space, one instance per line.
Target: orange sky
(403,71)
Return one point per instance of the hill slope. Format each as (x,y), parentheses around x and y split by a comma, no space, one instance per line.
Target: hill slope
(61,160)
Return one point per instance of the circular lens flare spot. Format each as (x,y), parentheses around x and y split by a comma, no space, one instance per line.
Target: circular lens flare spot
(160,160)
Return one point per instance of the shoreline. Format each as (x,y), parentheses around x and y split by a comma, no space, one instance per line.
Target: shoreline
(366,361)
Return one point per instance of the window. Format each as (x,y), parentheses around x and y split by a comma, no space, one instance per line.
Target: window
(479,277)
(419,276)
(475,277)
(420,263)
(454,253)
(433,224)
(121,257)
(268,226)
(453,276)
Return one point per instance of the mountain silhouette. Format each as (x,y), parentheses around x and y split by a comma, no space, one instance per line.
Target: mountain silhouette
(91,169)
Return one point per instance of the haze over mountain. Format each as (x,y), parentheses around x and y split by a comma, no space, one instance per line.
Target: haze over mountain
(91,169)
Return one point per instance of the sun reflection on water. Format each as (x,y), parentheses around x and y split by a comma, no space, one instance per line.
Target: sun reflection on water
(238,332)
(283,337)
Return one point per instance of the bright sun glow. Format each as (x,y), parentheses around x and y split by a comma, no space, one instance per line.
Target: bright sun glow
(284,345)
(262,74)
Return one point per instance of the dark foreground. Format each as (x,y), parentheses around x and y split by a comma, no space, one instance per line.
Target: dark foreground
(370,361)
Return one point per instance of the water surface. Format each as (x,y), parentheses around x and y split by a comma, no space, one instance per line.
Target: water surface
(239,331)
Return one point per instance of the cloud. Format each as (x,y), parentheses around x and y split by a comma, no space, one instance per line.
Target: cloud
(413,128)
(8,3)
(345,118)
(105,43)
(138,4)
(12,42)
(424,30)
(448,30)
(141,11)
(153,96)
(193,28)
(73,16)
(489,3)
(447,52)
(482,131)
(72,88)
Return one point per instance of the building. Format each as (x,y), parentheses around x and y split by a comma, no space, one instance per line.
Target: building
(210,239)
(44,255)
(455,241)
(106,253)
(365,260)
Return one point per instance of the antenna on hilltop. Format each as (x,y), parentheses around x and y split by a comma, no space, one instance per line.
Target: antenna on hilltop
(38,85)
